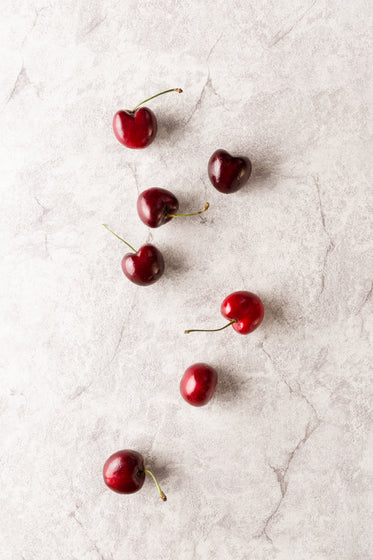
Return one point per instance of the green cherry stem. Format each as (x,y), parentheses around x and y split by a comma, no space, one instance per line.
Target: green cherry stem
(211,330)
(117,236)
(193,214)
(161,493)
(158,94)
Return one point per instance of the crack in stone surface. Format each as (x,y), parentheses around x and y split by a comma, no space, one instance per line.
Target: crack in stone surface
(116,349)
(329,249)
(282,472)
(213,46)
(317,185)
(37,14)
(22,80)
(40,220)
(79,391)
(134,174)
(92,543)
(366,299)
(279,36)
(117,346)
(46,246)
(45,210)
(331,245)
(199,101)
(208,83)
(299,393)
(94,25)
(282,478)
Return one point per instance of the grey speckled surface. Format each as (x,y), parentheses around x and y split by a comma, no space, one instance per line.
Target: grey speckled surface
(279,465)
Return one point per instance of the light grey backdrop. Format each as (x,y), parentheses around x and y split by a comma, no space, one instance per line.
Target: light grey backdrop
(278,466)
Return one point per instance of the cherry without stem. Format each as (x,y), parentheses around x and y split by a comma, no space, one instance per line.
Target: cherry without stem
(198,384)
(227,173)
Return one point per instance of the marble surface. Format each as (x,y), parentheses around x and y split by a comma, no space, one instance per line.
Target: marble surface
(279,465)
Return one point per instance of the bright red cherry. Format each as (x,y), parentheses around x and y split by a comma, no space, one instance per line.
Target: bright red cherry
(228,173)
(137,128)
(198,384)
(245,311)
(124,472)
(158,206)
(145,266)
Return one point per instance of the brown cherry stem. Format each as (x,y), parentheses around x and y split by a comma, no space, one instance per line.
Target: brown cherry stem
(117,236)
(157,95)
(193,214)
(211,330)
(161,493)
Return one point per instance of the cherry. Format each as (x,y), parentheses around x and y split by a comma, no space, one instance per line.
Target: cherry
(137,128)
(245,311)
(124,473)
(158,206)
(198,384)
(228,173)
(143,268)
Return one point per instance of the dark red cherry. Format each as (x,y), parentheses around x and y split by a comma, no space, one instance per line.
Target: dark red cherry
(142,267)
(137,128)
(158,206)
(228,173)
(198,384)
(245,311)
(124,472)
(154,206)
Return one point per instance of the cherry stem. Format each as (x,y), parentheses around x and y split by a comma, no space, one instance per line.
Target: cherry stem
(161,493)
(211,330)
(117,236)
(158,94)
(186,215)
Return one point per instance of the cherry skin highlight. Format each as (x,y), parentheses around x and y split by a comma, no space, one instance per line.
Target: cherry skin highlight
(144,267)
(198,384)
(124,473)
(154,206)
(227,173)
(246,309)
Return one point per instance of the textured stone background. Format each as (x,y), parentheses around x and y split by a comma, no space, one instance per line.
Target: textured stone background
(278,466)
